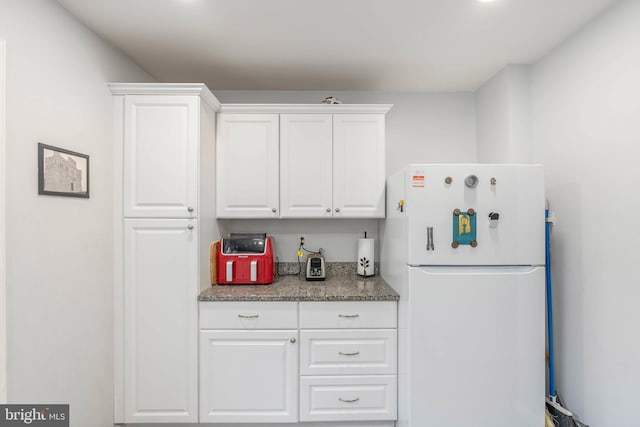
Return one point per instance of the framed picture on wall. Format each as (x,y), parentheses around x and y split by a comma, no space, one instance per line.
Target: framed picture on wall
(62,172)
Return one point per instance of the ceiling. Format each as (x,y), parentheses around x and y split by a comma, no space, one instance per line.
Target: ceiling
(374,45)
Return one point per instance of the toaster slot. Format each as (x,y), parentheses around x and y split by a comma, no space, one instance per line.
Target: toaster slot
(229,272)
(254,270)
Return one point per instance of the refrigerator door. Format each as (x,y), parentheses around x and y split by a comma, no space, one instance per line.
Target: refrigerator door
(476,346)
(475,214)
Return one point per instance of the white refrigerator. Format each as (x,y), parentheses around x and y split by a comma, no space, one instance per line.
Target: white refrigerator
(463,245)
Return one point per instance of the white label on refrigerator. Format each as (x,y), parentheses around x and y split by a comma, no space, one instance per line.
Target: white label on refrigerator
(417,179)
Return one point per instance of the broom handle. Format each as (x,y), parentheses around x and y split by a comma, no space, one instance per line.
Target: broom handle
(552,374)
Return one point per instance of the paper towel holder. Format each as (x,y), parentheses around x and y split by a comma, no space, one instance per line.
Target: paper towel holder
(365,263)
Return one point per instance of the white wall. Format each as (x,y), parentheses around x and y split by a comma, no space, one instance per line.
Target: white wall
(503,117)
(420,128)
(3,276)
(586,115)
(59,250)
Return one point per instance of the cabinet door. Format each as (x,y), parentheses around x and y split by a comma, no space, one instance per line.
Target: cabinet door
(161,156)
(248,160)
(160,321)
(248,376)
(358,165)
(306,165)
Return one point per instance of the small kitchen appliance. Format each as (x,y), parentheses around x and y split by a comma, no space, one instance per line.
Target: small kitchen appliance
(315,267)
(246,259)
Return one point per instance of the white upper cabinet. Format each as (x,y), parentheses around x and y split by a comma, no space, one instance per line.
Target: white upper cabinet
(331,161)
(306,165)
(358,165)
(247,155)
(161,137)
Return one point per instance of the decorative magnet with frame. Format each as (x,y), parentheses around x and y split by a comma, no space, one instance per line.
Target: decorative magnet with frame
(464,228)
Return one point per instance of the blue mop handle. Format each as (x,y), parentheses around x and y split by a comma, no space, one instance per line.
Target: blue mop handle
(552,376)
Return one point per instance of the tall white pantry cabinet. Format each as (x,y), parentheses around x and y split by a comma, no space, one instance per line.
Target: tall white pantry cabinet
(164,223)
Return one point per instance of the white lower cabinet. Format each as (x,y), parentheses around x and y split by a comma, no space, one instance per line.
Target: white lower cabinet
(348,361)
(328,364)
(248,376)
(159,312)
(249,369)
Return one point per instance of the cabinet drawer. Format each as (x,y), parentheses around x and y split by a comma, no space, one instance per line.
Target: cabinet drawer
(348,352)
(248,315)
(348,398)
(348,314)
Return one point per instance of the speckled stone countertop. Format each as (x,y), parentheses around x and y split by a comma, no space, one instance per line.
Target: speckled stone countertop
(342,284)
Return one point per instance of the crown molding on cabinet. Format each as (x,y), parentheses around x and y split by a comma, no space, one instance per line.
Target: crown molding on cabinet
(167,89)
(306,108)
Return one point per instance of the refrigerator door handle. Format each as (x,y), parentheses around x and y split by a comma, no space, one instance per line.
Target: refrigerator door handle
(430,246)
(431,238)
(428,238)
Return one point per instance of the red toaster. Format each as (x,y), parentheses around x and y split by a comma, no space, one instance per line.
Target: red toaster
(246,259)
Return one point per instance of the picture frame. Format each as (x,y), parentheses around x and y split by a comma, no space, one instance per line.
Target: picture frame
(62,172)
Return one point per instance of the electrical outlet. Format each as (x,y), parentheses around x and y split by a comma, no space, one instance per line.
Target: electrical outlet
(302,239)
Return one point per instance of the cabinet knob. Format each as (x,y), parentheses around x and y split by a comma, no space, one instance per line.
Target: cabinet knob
(337,209)
(292,340)
(273,210)
(190,227)
(190,209)
(328,209)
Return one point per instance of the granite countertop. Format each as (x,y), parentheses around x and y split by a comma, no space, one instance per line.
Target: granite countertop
(342,284)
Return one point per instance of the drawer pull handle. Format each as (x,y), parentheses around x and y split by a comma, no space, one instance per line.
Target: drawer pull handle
(355,353)
(349,316)
(348,400)
(248,316)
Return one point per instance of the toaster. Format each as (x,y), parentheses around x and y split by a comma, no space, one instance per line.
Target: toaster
(246,259)
(315,267)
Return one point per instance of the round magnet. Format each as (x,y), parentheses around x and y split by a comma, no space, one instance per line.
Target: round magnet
(471,181)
